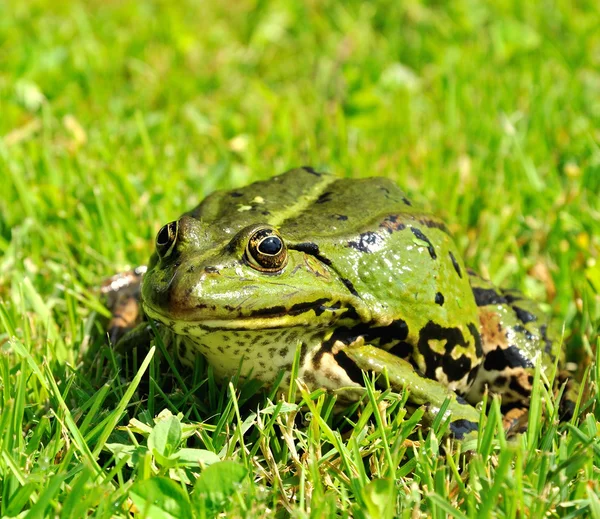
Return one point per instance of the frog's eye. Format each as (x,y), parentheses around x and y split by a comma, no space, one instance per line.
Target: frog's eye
(165,239)
(266,251)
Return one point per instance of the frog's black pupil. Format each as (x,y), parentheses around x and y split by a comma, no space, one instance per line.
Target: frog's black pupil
(162,238)
(271,245)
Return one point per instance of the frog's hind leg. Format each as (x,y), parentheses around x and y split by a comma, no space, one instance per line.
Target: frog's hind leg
(122,293)
(515,333)
(402,375)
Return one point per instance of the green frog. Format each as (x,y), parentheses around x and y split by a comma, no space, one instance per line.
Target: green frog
(354,277)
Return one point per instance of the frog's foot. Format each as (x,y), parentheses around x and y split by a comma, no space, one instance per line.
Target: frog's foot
(122,293)
(464,418)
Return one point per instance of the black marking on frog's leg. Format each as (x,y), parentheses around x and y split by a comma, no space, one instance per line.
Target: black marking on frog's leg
(236,194)
(488,296)
(455,264)
(502,358)
(461,427)
(523,315)
(461,400)
(341,217)
(374,335)
(420,236)
(439,299)
(324,198)
(266,213)
(477,337)
(454,368)
(310,170)
(406,201)
(396,331)
(367,242)
(351,369)
(402,349)
(516,386)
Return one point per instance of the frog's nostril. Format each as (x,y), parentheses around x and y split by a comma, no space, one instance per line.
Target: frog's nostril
(166,238)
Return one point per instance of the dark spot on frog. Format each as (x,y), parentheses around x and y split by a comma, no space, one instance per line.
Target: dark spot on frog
(182,350)
(236,194)
(191,268)
(499,381)
(461,400)
(367,242)
(488,296)
(439,299)
(396,331)
(266,213)
(310,170)
(453,368)
(420,236)
(324,198)
(283,352)
(547,341)
(211,270)
(402,350)
(518,388)
(374,335)
(477,336)
(406,200)
(455,264)
(511,298)
(392,223)
(352,370)
(341,217)
(502,358)
(521,329)
(523,315)
(459,428)
(350,286)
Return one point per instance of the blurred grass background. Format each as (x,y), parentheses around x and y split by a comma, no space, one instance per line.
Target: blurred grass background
(116,117)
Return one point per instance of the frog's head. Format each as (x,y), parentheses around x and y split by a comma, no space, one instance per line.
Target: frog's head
(252,278)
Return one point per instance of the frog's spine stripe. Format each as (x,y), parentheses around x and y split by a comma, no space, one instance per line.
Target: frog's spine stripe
(454,368)
(420,236)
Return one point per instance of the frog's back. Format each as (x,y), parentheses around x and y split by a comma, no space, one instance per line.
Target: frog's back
(305,204)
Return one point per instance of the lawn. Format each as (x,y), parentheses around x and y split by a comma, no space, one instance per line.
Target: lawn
(116,117)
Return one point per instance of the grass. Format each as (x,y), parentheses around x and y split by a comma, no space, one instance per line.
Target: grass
(115,117)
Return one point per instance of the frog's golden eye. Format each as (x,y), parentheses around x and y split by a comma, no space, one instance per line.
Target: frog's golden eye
(166,238)
(266,251)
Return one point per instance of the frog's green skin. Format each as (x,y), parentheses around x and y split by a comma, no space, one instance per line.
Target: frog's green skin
(369,282)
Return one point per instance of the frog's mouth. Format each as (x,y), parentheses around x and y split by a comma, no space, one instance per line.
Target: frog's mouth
(317,313)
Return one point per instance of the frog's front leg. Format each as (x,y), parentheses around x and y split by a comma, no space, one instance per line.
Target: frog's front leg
(423,391)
